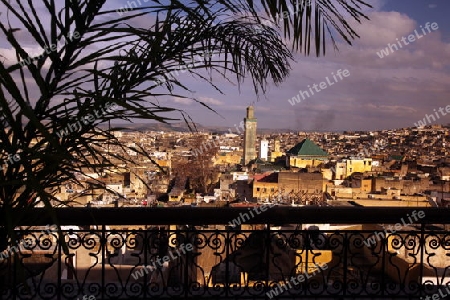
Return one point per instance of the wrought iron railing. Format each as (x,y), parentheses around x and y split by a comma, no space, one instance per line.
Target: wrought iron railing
(282,252)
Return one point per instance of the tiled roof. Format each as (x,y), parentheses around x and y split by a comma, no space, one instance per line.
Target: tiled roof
(307,148)
(266,177)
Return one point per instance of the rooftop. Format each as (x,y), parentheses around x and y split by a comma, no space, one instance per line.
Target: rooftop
(307,148)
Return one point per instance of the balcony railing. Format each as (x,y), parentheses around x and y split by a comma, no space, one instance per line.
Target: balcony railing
(282,252)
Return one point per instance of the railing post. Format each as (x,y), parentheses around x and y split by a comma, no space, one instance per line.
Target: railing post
(384,241)
(422,249)
(103,250)
(59,243)
(345,267)
(227,255)
(15,267)
(268,243)
(308,248)
(186,265)
(145,249)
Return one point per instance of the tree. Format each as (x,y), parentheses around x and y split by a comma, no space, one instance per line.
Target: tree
(98,64)
(199,169)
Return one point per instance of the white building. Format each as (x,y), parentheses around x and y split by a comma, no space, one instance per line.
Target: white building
(263,149)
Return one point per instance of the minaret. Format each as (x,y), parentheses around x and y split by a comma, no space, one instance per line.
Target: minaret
(249,136)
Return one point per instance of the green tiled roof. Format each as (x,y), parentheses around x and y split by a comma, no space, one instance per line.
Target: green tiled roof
(307,148)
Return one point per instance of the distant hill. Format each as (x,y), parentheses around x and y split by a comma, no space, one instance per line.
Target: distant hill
(183,127)
(180,126)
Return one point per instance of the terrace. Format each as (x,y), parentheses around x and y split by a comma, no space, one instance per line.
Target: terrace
(298,252)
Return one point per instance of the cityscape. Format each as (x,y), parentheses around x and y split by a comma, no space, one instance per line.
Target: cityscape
(224,149)
(405,167)
(257,174)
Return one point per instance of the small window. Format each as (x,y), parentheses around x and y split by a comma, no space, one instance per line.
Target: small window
(257,189)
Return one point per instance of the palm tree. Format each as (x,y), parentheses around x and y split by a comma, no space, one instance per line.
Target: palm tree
(99,64)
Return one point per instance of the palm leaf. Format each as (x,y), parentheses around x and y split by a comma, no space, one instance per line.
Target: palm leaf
(117,61)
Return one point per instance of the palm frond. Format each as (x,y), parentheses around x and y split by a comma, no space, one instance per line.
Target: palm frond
(96,57)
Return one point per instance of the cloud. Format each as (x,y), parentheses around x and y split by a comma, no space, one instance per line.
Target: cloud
(184,101)
(380,93)
(189,101)
(383,28)
(211,101)
(391,92)
(397,110)
(9,54)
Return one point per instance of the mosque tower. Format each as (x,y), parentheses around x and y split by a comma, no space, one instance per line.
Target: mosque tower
(249,136)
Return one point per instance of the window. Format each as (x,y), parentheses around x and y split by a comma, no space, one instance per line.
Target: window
(257,189)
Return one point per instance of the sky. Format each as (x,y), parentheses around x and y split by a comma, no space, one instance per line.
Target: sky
(380,90)
(394,91)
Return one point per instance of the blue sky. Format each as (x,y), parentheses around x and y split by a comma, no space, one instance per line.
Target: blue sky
(424,11)
(380,93)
